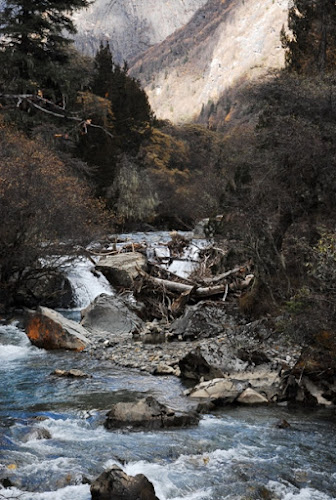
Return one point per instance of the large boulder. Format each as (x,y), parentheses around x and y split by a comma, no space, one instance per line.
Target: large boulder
(114,484)
(50,330)
(147,414)
(123,268)
(211,360)
(51,289)
(111,315)
(204,320)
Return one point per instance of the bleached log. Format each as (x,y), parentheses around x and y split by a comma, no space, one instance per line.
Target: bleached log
(222,276)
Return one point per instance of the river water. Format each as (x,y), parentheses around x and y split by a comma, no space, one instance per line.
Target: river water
(228,456)
(231,455)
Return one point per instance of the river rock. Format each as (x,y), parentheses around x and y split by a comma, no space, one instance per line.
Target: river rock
(123,268)
(251,397)
(204,320)
(37,434)
(110,315)
(70,373)
(147,414)
(115,484)
(226,390)
(211,360)
(49,330)
(223,391)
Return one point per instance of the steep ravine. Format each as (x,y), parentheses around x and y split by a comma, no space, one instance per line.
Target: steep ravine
(226,40)
(131,26)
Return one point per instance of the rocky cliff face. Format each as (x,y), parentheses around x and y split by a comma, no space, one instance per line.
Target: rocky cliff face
(225,41)
(131,26)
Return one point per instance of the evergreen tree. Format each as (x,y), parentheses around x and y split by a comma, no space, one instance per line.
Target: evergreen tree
(33,43)
(312,46)
(130,104)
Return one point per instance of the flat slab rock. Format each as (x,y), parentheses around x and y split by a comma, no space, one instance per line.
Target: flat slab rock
(123,268)
(50,330)
(147,413)
(115,484)
(251,387)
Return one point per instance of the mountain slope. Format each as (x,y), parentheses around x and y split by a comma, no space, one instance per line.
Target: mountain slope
(131,26)
(225,40)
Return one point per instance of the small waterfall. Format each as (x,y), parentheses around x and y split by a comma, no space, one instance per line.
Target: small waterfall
(86,282)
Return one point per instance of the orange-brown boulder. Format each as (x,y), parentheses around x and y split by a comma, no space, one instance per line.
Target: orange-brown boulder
(49,330)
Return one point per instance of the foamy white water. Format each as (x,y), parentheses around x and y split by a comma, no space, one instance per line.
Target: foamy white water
(86,282)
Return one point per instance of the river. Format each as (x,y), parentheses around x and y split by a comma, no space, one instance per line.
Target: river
(233,454)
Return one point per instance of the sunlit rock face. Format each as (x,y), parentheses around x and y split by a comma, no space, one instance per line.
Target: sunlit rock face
(131,26)
(224,42)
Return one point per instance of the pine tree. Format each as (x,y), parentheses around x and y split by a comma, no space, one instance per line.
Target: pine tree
(33,42)
(312,46)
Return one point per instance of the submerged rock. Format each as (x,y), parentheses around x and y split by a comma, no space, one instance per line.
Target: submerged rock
(115,484)
(147,413)
(49,330)
(37,434)
(70,373)
(111,315)
(123,268)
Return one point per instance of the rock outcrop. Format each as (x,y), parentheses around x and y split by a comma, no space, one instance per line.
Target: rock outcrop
(115,484)
(130,26)
(50,330)
(149,414)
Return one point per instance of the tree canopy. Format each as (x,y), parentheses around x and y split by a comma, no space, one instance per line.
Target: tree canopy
(311,47)
(34,43)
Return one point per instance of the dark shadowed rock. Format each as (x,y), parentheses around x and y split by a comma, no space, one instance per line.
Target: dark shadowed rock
(194,367)
(282,424)
(50,330)
(147,413)
(210,361)
(110,314)
(52,290)
(114,484)
(204,320)
(123,268)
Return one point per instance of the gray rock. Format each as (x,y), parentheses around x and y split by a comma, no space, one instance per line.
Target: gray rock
(123,268)
(50,330)
(210,360)
(204,320)
(111,315)
(37,434)
(114,484)
(147,413)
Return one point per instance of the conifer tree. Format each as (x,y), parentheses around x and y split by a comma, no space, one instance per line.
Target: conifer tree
(312,46)
(34,41)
